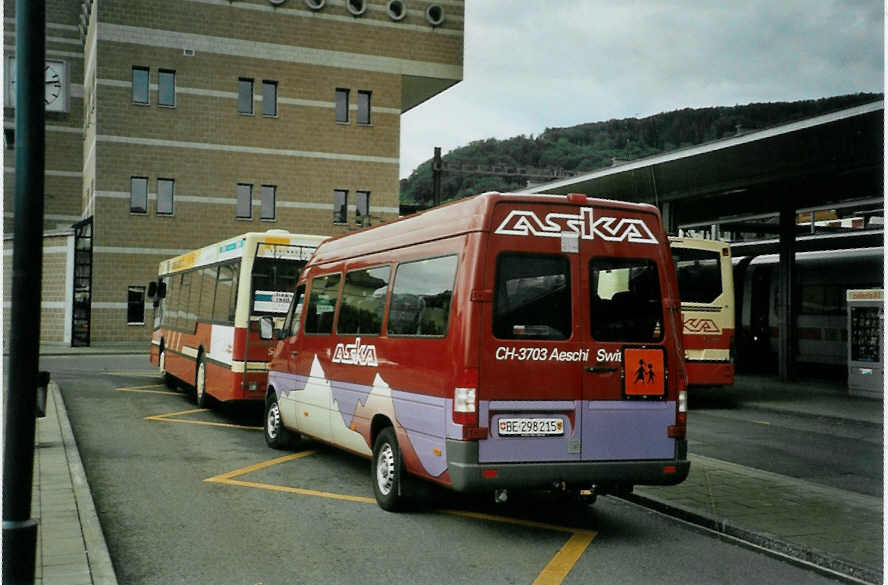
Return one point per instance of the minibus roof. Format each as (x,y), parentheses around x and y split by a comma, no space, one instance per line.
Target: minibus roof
(460,217)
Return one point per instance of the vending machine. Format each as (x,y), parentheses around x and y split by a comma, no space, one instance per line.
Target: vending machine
(865,343)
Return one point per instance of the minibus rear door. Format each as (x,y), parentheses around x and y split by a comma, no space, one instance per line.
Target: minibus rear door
(531,356)
(625,411)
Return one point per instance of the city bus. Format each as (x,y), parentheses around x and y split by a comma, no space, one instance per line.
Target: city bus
(207,303)
(706,285)
(501,342)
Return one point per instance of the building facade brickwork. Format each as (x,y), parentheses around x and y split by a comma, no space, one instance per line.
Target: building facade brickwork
(159,103)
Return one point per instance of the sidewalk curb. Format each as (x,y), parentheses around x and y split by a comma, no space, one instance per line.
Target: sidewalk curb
(100,566)
(794,553)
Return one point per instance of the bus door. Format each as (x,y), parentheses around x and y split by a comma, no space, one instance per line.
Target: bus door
(308,354)
(625,411)
(532,349)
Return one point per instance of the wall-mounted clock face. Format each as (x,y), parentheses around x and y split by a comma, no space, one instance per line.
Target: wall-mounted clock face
(55,96)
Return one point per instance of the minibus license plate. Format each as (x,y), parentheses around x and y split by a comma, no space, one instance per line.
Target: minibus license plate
(530,426)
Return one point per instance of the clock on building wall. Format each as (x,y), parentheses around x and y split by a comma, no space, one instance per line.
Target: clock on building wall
(55,96)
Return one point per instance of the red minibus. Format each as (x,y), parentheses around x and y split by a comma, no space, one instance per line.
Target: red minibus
(498,342)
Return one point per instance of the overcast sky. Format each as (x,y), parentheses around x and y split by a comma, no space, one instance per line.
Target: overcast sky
(535,64)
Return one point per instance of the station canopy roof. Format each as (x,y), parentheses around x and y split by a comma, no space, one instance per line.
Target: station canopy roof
(830,167)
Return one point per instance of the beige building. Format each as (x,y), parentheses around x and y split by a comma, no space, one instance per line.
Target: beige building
(177,123)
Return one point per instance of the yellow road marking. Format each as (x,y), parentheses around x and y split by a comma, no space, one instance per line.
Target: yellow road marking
(553,573)
(300,491)
(146,389)
(168,418)
(518,521)
(126,388)
(263,465)
(565,559)
(228,479)
(761,422)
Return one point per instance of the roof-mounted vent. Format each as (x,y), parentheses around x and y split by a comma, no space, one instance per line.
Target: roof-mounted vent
(435,14)
(356,7)
(397,10)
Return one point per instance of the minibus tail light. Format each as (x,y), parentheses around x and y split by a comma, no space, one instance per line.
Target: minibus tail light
(679,429)
(465,398)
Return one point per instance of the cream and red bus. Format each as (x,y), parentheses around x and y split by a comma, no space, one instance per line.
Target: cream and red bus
(483,345)
(207,304)
(706,285)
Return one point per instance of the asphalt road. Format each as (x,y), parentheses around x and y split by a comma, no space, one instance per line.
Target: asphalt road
(308,516)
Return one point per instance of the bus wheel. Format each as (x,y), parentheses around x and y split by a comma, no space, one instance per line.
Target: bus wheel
(276,435)
(161,361)
(387,469)
(200,385)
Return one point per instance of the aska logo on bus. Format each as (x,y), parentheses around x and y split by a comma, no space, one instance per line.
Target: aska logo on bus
(700,326)
(355,354)
(521,222)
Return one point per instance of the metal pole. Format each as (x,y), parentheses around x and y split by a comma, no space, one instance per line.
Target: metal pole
(19,529)
(436,177)
(786,270)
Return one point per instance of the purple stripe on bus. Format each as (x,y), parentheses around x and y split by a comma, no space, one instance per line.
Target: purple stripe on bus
(509,449)
(284,382)
(347,396)
(536,405)
(627,429)
(610,430)
(422,417)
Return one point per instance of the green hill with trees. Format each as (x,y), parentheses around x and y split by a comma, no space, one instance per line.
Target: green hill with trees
(595,145)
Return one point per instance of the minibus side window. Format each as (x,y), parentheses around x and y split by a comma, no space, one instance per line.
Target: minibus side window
(532,297)
(291,326)
(624,302)
(322,304)
(363,301)
(421,297)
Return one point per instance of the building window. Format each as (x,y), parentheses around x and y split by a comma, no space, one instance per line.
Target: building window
(244,201)
(135,305)
(245,96)
(362,207)
(140,85)
(165,189)
(267,200)
(269,98)
(340,206)
(9,138)
(364,107)
(166,88)
(342,105)
(138,195)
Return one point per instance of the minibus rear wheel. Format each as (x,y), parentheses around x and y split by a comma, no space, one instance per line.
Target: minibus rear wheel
(277,436)
(387,470)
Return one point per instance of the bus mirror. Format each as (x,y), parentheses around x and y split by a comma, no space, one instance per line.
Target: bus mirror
(152,289)
(162,290)
(266,328)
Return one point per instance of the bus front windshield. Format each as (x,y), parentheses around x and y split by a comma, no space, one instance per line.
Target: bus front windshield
(274,281)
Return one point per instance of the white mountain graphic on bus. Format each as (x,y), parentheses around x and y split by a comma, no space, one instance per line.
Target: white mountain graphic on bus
(355,354)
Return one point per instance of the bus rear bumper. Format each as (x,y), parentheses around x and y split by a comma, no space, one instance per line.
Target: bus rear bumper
(709,373)
(467,474)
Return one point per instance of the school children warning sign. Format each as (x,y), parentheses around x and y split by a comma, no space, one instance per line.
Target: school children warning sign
(645,372)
